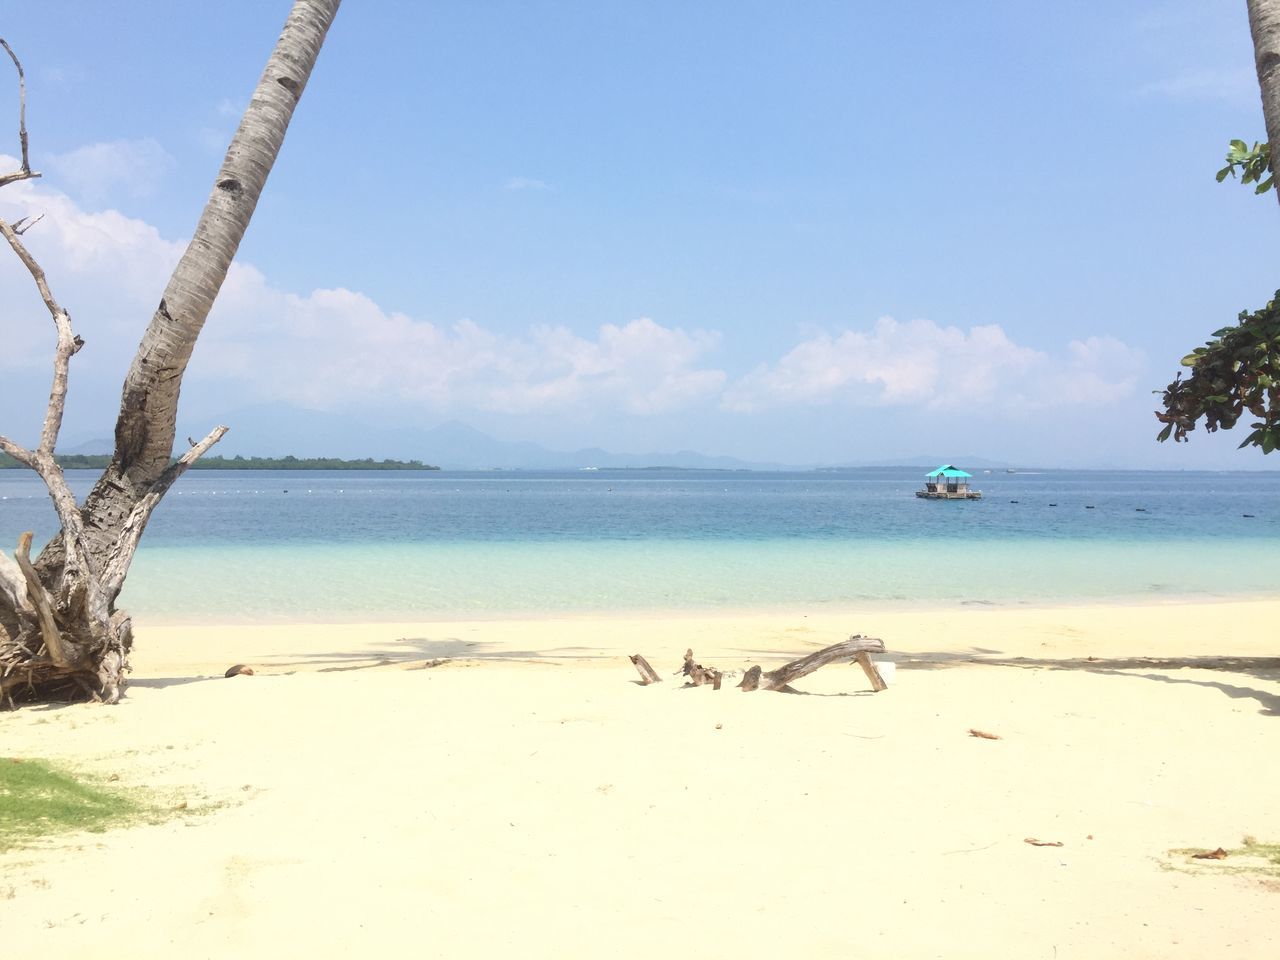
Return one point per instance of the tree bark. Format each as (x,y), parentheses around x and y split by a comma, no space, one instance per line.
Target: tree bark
(72,587)
(1264,24)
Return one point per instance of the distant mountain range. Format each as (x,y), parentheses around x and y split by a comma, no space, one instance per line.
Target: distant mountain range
(275,432)
(457,446)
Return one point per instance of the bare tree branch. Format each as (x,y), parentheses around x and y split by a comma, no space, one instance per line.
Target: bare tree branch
(42,458)
(64,501)
(40,599)
(18,452)
(136,522)
(33,267)
(26,223)
(68,343)
(25,173)
(13,586)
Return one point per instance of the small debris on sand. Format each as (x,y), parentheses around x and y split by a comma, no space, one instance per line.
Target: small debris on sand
(1218,854)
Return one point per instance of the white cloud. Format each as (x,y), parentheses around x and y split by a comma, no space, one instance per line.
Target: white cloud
(100,171)
(922,364)
(329,347)
(107,269)
(525,183)
(1098,370)
(337,348)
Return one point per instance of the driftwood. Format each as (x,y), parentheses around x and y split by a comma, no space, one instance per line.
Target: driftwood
(647,674)
(698,674)
(849,651)
(857,649)
(864,661)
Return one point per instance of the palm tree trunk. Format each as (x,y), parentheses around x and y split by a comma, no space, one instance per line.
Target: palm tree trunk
(78,576)
(1264,24)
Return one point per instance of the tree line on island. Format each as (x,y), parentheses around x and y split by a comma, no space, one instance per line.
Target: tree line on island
(83,461)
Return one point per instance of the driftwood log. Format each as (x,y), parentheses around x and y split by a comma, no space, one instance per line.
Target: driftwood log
(856,649)
(698,674)
(647,674)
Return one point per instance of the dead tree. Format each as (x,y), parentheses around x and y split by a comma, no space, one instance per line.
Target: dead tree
(61,635)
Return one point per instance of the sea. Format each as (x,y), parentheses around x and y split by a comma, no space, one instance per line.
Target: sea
(350,546)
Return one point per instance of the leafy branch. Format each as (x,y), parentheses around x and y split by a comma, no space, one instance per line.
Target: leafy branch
(1238,371)
(1254,164)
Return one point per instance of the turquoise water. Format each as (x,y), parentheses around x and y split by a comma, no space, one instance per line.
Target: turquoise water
(262,546)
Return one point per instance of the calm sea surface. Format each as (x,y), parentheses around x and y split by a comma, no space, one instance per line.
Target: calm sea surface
(262,546)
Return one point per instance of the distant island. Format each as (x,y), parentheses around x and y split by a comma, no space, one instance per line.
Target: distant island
(82,461)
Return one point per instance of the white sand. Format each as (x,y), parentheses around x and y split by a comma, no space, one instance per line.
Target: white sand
(528,799)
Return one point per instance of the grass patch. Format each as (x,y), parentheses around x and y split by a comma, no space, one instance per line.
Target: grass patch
(37,800)
(1252,857)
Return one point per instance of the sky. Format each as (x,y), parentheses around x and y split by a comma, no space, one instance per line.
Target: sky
(805,232)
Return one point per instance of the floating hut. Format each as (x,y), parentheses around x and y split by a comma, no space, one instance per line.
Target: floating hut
(948,483)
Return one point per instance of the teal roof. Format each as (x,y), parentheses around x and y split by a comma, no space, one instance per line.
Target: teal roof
(949,471)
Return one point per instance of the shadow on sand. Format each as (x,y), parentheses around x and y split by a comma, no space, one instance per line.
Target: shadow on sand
(1259,668)
(425,652)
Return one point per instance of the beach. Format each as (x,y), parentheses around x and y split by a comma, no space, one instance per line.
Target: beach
(506,787)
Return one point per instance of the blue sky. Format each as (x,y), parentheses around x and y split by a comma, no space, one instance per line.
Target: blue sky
(809,232)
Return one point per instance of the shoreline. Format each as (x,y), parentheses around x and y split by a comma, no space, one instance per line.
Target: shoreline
(819,608)
(1168,628)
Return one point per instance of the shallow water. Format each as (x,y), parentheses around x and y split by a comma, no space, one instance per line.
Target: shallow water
(258,545)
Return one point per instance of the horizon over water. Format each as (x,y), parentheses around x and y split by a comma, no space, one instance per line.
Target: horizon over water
(264,546)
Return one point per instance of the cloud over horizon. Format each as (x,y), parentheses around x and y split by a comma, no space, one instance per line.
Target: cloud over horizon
(335,349)
(920,363)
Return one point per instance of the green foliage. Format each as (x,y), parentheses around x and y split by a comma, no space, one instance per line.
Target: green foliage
(37,800)
(1254,164)
(80,461)
(1238,371)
